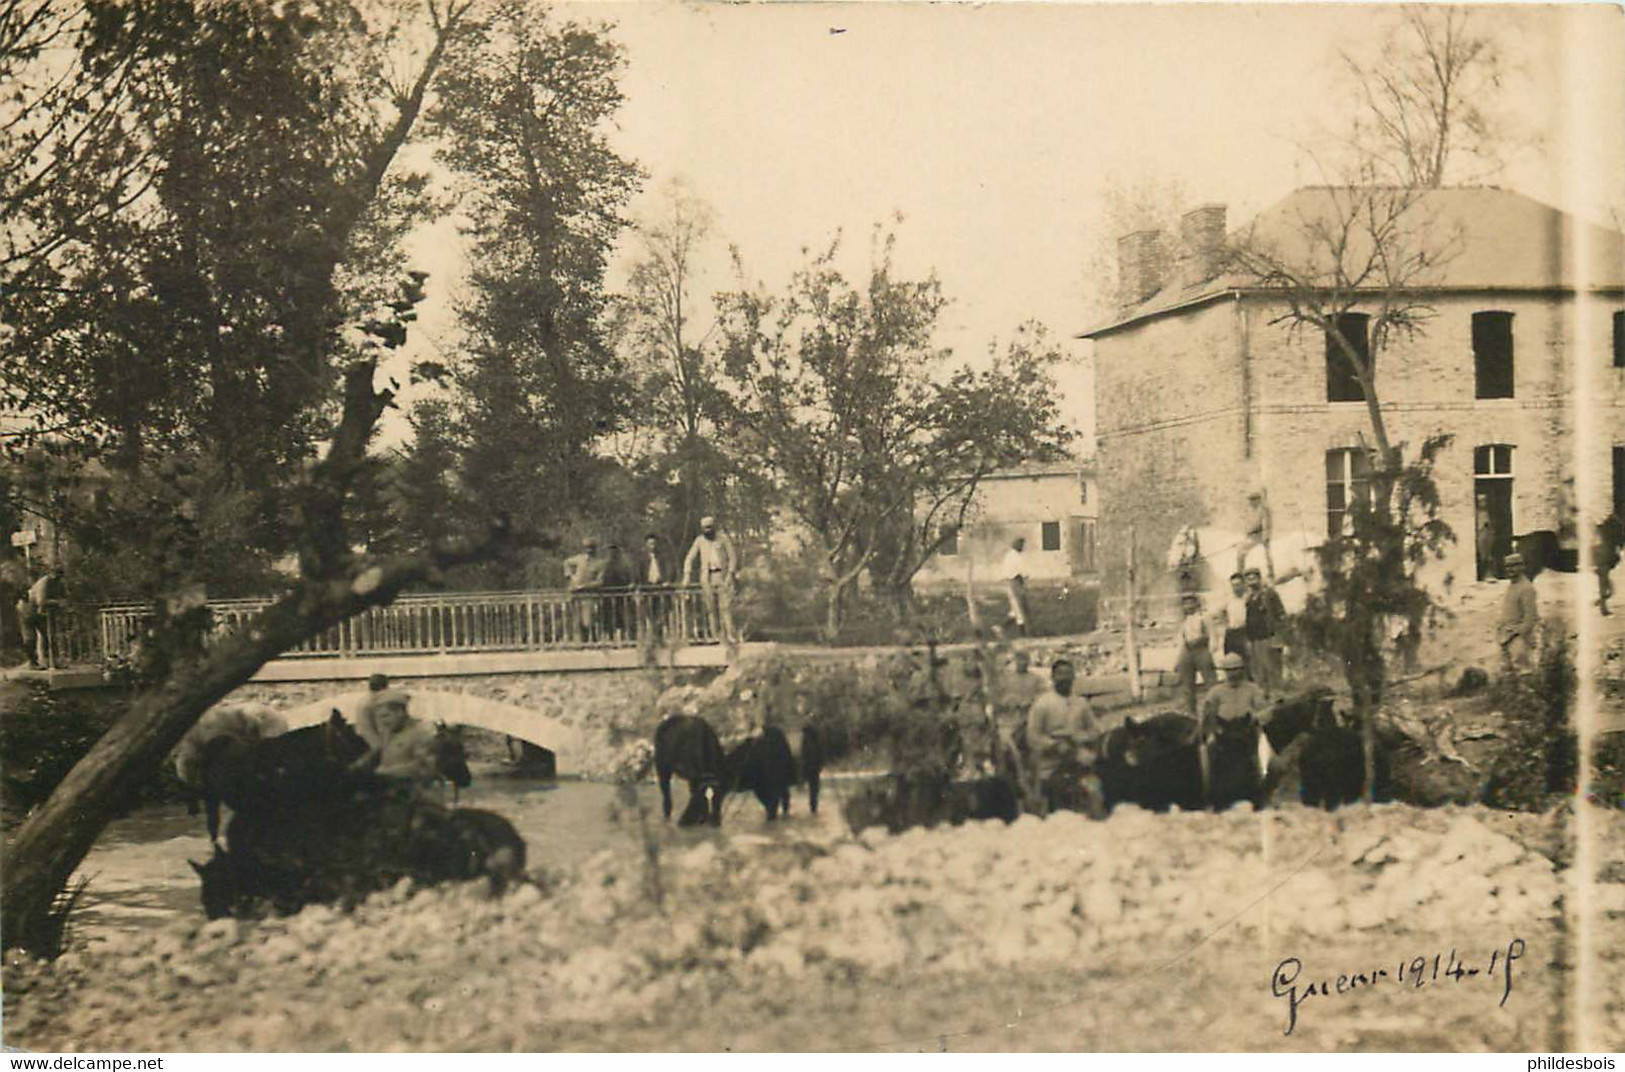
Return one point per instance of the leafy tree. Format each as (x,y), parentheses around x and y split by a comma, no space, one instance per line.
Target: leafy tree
(838,392)
(523,117)
(178,285)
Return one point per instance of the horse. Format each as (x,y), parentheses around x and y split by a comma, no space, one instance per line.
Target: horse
(688,747)
(313,762)
(340,851)
(1202,557)
(249,723)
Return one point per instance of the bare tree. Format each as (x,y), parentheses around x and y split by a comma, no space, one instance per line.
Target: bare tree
(1139,203)
(1429,99)
(678,376)
(1367,250)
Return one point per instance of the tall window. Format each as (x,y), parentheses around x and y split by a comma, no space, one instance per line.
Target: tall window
(1492,355)
(950,541)
(1348,481)
(1619,340)
(1050,536)
(1342,385)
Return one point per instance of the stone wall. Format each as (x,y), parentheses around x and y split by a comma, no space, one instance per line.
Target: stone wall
(608,710)
(1170,402)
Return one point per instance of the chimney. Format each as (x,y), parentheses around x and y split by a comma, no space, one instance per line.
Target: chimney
(1142,266)
(1201,233)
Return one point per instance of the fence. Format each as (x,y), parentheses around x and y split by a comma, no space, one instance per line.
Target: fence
(450,623)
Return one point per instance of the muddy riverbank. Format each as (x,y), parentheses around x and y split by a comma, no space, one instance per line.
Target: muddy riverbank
(1141,932)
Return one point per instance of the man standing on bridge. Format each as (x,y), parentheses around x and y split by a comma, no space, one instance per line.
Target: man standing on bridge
(584,573)
(718,565)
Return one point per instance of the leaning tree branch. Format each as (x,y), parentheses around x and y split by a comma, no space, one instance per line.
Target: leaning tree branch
(52,842)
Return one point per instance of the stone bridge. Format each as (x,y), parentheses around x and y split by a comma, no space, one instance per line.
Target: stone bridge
(567,702)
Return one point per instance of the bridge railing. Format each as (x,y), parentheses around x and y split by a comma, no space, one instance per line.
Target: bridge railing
(448,623)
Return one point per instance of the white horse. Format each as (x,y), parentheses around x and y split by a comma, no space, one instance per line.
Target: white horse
(248,722)
(1208,556)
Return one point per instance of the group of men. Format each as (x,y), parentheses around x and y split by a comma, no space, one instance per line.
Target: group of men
(1251,623)
(712,562)
(1062,732)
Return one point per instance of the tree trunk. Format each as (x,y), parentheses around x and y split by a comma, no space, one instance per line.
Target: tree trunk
(54,840)
(832,610)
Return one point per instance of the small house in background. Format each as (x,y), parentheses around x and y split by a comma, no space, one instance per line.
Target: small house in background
(1053,504)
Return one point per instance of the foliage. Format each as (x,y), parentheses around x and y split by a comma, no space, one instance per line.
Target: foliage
(842,394)
(1608,771)
(681,411)
(45,733)
(1361,246)
(1539,763)
(1371,574)
(179,285)
(523,115)
(200,201)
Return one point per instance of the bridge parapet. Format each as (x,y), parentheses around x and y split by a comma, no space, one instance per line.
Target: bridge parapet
(450,623)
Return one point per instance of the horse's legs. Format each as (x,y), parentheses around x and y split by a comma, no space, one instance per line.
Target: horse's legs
(664,775)
(812,792)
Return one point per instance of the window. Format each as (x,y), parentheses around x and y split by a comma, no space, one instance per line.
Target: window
(1619,340)
(1619,482)
(950,541)
(1342,385)
(1348,476)
(1493,460)
(1492,355)
(1050,536)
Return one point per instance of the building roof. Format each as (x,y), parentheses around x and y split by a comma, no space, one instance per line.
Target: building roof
(1065,467)
(1496,240)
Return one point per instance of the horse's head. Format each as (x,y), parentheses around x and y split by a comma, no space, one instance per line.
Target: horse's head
(219,884)
(342,741)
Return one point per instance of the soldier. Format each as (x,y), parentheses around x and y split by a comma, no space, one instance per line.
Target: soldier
(1520,616)
(1265,617)
(1061,730)
(1605,556)
(585,573)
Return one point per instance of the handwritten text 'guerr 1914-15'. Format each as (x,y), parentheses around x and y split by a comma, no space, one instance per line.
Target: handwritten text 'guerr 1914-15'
(1413,973)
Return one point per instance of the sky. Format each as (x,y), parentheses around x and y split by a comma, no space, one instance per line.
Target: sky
(993,130)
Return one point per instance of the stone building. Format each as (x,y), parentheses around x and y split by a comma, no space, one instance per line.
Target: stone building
(1054,505)
(1203,394)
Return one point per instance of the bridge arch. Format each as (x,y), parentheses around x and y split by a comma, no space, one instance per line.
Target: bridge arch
(460,708)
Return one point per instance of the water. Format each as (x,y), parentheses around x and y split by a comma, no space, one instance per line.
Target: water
(140,878)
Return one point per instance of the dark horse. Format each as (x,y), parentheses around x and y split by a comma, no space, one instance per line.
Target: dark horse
(687,747)
(312,762)
(309,826)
